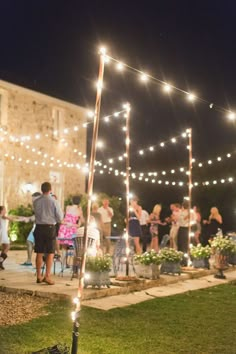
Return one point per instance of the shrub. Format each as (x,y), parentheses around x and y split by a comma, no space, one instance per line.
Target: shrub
(18,231)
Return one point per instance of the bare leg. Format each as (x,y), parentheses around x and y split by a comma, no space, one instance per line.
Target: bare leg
(154,244)
(137,245)
(49,262)
(30,248)
(39,262)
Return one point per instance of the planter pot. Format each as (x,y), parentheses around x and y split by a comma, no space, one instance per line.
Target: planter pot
(232,259)
(171,268)
(201,263)
(151,271)
(221,264)
(97,279)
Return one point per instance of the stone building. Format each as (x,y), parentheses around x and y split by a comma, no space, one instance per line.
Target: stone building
(41,139)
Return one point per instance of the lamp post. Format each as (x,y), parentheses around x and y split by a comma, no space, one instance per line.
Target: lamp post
(127,142)
(190,145)
(77,301)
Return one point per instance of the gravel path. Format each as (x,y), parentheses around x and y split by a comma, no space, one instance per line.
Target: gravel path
(15,309)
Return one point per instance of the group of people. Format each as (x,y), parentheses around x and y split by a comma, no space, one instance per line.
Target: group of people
(53,230)
(145,227)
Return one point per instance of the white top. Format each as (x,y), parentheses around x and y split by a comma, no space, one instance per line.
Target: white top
(144,217)
(106,213)
(3,231)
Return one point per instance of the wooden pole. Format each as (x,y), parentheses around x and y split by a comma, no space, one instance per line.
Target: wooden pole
(127,141)
(75,333)
(190,183)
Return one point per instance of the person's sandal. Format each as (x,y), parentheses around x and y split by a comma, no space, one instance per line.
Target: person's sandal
(48,281)
(39,280)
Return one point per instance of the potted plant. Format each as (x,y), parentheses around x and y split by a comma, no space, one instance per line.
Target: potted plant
(147,265)
(171,260)
(200,256)
(97,271)
(222,248)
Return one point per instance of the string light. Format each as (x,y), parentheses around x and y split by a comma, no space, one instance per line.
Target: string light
(166,87)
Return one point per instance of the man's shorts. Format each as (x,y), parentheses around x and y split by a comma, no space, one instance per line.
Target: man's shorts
(45,238)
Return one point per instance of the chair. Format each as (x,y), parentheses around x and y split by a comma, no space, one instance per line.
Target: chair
(164,241)
(78,242)
(120,253)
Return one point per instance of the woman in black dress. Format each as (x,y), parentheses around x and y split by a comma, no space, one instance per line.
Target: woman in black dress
(213,224)
(135,231)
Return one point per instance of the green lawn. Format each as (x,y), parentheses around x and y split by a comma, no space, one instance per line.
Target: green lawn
(199,322)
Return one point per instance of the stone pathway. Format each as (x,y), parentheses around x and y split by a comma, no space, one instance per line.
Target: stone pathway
(20,279)
(180,287)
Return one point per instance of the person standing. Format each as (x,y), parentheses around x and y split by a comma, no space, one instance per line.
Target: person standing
(47,214)
(4,239)
(174,219)
(72,220)
(145,229)
(154,220)
(107,213)
(134,227)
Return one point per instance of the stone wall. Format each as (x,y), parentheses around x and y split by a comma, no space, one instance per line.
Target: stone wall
(41,139)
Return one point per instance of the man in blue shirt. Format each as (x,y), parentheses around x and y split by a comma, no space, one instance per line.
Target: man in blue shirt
(47,214)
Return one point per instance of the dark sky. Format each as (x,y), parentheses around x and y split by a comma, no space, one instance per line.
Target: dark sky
(51,46)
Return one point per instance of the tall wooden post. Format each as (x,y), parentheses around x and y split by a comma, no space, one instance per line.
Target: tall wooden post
(76,313)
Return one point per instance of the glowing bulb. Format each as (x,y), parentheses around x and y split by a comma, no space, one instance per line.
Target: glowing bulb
(173,140)
(100,144)
(162,144)
(231,116)
(228,155)
(119,66)
(200,164)
(214,182)
(222,181)
(99,85)
(90,114)
(144,77)
(230,179)
(209,162)
(106,119)
(219,158)
(191,97)
(172,171)
(151,148)
(141,152)
(167,88)
(102,50)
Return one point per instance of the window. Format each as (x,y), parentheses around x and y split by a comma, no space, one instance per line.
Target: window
(58,122)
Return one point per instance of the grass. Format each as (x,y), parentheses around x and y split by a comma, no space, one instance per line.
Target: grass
(199,322)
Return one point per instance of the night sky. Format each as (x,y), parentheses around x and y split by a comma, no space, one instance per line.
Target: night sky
(52,47)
